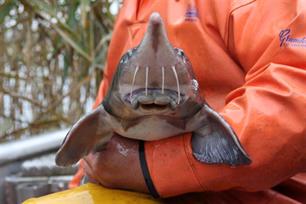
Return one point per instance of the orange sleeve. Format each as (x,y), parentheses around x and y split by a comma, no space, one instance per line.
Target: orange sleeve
(268,112)
(102,92)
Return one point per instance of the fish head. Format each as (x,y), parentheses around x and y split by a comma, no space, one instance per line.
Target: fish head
(155,78)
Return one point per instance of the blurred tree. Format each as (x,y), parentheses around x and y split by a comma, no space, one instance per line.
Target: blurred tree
(52,54)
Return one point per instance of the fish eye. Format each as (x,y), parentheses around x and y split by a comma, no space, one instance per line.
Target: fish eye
(127,56)
(180,52)
(124,59)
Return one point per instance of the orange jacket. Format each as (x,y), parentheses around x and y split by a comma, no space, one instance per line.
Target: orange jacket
(249,57)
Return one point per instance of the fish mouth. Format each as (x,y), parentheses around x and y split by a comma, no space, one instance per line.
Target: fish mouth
(154,99)
(153,107)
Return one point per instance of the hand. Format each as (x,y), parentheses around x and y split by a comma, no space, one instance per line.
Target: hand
(117,166)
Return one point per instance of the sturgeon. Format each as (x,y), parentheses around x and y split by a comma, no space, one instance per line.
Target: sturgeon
(154,95)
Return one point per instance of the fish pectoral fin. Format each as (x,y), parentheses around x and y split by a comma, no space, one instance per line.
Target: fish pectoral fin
(217,143)
(83,137)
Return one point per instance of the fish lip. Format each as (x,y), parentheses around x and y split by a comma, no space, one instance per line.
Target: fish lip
(153,104)
(141,91)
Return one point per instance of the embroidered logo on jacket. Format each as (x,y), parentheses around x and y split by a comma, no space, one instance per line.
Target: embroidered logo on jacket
(191,13)
(286,40)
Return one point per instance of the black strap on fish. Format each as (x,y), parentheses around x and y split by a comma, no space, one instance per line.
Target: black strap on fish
(145,171)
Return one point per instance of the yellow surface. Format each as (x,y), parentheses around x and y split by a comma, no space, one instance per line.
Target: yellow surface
(93,194)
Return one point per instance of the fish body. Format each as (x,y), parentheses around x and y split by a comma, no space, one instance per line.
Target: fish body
(154,95)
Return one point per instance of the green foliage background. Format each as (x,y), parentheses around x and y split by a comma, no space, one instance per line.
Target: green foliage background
(52,54)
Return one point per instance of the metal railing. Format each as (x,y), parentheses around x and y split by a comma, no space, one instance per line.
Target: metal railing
(21,149)
(16,161)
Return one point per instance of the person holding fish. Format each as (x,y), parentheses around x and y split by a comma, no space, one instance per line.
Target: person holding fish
(152,131)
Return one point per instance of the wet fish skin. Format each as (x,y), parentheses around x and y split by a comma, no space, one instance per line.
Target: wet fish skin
(154,95)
